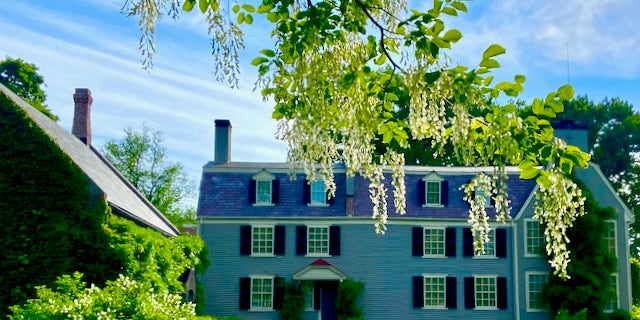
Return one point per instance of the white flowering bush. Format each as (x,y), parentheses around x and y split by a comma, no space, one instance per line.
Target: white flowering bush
(123,298)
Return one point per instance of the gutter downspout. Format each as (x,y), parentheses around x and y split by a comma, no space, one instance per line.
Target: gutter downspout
(516,270)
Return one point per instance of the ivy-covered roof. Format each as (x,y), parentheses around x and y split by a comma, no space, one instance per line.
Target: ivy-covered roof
(118,192)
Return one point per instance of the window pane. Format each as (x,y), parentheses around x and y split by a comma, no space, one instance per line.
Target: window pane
(433,192)
(263,192)
(262,240)
(434,291)
(485,290)
(613,303)
(307,290)
(434,242)
(318,192)
(318,240)
(535,283)
(610,237)
(534,238)
(261,293)
(490,247)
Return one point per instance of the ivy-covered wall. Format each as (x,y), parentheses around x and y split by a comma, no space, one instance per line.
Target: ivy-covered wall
(50,224)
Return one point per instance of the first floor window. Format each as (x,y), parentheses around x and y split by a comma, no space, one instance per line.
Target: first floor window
(535,282)
(485,292)
(613,302)
(485,288)
(308,290)
(434,292)
(262,293)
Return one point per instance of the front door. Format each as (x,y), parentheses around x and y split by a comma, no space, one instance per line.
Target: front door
(328,294)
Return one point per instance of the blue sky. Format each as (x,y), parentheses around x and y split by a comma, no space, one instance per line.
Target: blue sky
(91,44)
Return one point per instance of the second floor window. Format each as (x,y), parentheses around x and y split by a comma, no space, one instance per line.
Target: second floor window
(318,240)
(534,238)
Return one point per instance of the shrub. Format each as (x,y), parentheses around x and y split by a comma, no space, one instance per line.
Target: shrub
(347,300)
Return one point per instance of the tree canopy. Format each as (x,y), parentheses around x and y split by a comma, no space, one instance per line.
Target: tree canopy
(337,72)
(24,80)
(141,157)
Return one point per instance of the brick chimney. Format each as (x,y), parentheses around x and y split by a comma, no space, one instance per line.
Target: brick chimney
(82,115)
(222,142)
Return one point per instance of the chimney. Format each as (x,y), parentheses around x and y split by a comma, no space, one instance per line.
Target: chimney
(82,115)
(222,144)
(572,132)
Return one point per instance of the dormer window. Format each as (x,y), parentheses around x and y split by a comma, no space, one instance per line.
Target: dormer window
(263,189)
(433,191)
(315,193)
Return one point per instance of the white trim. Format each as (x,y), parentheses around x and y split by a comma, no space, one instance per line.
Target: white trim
(495,290)
(260,309)
(444,242)
(527,203)
(444,300)
(273,241)
(617,281)
(526,238)
(628,214)
(527,291)
(516,270)
(426,191)
(615,236)
(319,255)
(364,220)
(264,175)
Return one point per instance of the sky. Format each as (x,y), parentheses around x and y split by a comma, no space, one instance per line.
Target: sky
(592,44)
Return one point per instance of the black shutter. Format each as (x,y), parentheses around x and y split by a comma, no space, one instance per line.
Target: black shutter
(450,242)
(279,240)
(452,293)
(418,292)
(502,293)
(278,292)
(501,243)
(275,191)
(469,293)
(444,192)
(301,240)
(467,242)
(417,243)
(245,240)
(252,191)
(334,240)
(492,201)
(245,293)
(422,200)
(306,193)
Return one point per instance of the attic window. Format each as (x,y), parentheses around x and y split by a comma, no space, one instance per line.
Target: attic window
(433,191)
(264,189)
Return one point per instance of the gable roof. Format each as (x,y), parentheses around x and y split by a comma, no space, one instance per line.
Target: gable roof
(118,192)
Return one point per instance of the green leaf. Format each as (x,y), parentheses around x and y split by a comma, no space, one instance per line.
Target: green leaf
(400,30)
(492,51)
(188,5)
(459,5)
(440,43)
(272,17)
(259,60)
(503,86)
(487,81)
(529,172)
(519,79)
(248,19)
(490,63)
(450,11)
(249,8)
(264,8)
(566,92)
(268,52)
(235,8)
(241,18)
(556,106)
(204,5)
(452,35)
(390,96)
(214,4)
(537,107)
(381,60)
(437,5)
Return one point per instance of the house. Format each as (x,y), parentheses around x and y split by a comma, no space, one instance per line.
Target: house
(105,181)
(261,226)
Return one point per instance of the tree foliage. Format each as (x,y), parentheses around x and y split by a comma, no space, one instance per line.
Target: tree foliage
(337,71)
(24,80)
(590,269)
(141,158)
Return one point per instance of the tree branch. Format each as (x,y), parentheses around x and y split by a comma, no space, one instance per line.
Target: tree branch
(382,35)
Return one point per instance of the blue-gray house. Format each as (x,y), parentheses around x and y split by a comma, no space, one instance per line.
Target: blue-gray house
(262,226)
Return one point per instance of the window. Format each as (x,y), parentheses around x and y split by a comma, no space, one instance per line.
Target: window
(319,241)
(262,293)
(308,291)
(318,192)
(434,291)
(490,247)
(496,247)
(487,198)
(485,292)
(433,192)
(485,289)
(535,282)
(610,236)
(433,242)
(534,238)
(263,192)
(262,241)
(613,303)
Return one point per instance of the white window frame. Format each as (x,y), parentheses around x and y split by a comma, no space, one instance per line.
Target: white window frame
(477,292)
(491,245)
(262,293)
(426,193)
(607,237)
(425,254)
(528,289)
(615,282)
(425,294)
(527,252)
(254,240)
(314,188)
(268,201)
(309,241)
(308,290)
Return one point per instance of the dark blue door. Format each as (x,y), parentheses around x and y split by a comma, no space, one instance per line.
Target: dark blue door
(328,293)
